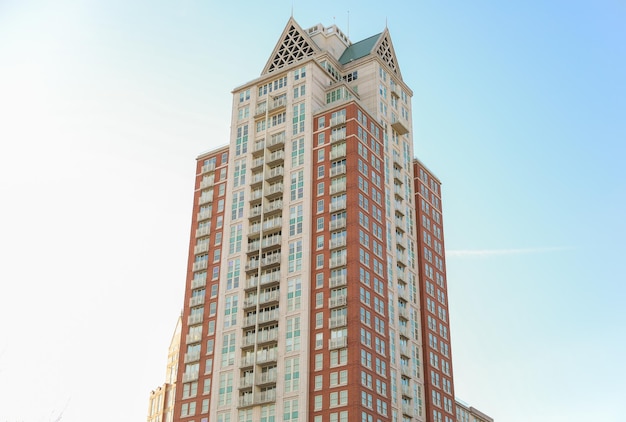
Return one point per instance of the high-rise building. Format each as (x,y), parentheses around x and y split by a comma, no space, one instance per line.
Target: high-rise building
(161,403)
(313,254)
(438,379)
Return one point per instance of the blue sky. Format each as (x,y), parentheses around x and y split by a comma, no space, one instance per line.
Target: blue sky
(519,108)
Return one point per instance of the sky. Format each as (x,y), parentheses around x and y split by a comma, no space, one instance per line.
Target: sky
(519,107)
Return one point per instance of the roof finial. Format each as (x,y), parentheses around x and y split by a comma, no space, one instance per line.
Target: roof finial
(348,24)
(292,8)
(386,22)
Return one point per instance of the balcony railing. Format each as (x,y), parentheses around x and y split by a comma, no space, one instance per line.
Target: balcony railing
(200,265)
(338,223)
(267,377)
(198,282)
(196,300)
(337,301)
(192,357)
(337,343)
(191,376)
(338,187)
(337,170)
(338,120)
(337,205)
(208,167)
(204,215)
(195,319)
(203,247)
(203,231)
(338,242)
(338,261)
(338,321)
(338,281)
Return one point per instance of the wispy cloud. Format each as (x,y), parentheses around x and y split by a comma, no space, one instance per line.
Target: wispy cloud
(494,252)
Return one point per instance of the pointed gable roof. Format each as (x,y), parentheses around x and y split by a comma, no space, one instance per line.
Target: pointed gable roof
(380,45)
(294,45)
(359,49)
(385,50)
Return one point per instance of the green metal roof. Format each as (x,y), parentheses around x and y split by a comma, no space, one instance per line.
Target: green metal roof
(359,49)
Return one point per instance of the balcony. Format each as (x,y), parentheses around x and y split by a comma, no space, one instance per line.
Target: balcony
(338,281)
(203,231)
(267,336)
(337,170)
(265,397)
(271,242)
(338,261)
(198,249)
(195,319)
(403,293)
(192,376)
(261,318)
(338,120)
(207,182)
(276,156)
(278,103)
(208,168)
(271,277)
(198,282)
(200,265)
(397,174)
(337,301)
(246,382)
(255,212)
(254,246)
(264,298)
(258,147)
(246,401)
(192,357)
(254,229)
(403,312)
(273,207)
(205,198)
(271,260)
(338,205)
(399,125)
(196,300)
(246,361)
(257,178)
(337,153)
(266,356)
(337,343)
(256,195)
(407,410)
(338,242)
(338,223)
(404,351)
(337,187)
(406,371)
(204,215)
(404,331)
(252,265)
(277,141)
(275,173)
(257,162)
(272,224)
(193,338)
(274,191)
(406,391)
(338,321)
(398,191)
(338,136)
(267,378)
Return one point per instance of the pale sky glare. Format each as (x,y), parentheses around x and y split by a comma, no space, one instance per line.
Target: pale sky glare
(519,108)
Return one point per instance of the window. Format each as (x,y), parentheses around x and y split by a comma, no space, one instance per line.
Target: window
(295,256)
(225,391)
(233,274)
(230,311)
(292,374)
(290,410)
(228,350)
(295,220)
(298,118)
(297,152)
(294,293)
(297,185)
(292,335)
(241,143)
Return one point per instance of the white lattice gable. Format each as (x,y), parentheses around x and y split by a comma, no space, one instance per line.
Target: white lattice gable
(294,45)
(384,49)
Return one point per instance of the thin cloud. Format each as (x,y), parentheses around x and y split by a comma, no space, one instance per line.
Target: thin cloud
(495,252)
